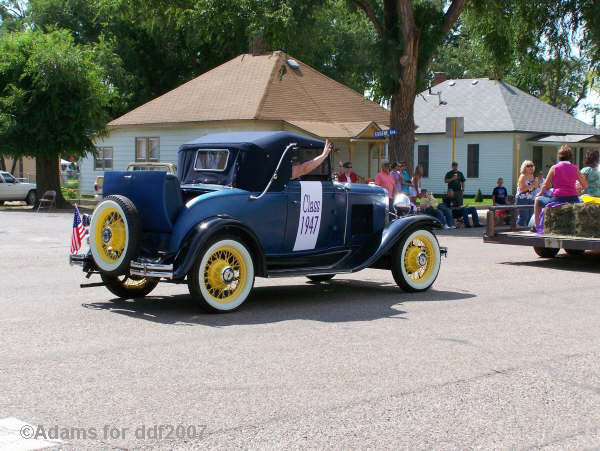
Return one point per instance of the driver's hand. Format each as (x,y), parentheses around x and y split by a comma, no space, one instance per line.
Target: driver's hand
(328,147)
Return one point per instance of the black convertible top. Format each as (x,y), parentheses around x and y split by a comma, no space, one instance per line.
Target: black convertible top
(253,156)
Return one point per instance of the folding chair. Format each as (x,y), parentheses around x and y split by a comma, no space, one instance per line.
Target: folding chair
(48,200)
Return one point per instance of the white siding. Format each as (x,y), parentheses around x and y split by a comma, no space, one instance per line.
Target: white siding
(496,156)
(171,137)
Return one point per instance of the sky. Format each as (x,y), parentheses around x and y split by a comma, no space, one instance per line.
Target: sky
(592,100)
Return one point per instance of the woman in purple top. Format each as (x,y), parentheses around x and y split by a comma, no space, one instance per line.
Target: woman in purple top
(563,176)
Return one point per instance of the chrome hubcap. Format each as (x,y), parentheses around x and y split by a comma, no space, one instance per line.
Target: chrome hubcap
(106,235)
(227,274)
(422,259)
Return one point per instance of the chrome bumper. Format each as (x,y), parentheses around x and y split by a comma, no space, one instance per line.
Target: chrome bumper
(77,259)
(145,269)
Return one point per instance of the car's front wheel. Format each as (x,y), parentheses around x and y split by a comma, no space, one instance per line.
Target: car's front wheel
(128,287)
(223,276)
(416,260)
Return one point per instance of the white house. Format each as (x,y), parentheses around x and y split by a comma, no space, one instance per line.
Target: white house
(502,127)
(251,92)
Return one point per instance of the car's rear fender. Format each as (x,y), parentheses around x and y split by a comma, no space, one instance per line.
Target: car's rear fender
(393,233)
(203,232)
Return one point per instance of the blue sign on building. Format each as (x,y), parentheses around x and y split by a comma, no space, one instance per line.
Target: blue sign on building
(386,133)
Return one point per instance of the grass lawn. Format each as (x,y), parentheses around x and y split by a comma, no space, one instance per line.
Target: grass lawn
(70,191)
(468,201)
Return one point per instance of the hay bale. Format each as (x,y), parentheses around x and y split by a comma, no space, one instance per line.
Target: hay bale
(582,220)
(559,220)
(587,220)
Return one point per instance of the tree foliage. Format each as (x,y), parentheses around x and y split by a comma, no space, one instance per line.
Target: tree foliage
(53,99)
(543,47)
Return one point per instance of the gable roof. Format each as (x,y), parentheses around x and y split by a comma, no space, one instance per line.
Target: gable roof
(262,87)
(492,106)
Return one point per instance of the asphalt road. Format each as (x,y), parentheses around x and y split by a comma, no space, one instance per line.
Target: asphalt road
(503,352)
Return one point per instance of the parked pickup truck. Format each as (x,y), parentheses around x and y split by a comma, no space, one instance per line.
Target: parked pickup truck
(139,166)
(12,189)
(544,245)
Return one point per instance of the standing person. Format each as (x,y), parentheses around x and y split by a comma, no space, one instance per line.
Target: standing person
(499,194)
(591,173)
(563,176)
(347,175)
(397,174)
(386,180)
(406,179)
(456,182)
(415,189)
(527,185)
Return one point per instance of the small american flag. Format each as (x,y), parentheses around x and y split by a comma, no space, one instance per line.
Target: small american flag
(79,232)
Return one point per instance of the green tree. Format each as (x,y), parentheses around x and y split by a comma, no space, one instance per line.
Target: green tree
(52,101)
(544,47)
(408,34)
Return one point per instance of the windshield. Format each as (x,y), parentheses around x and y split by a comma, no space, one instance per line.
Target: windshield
(211,160)
(8,178)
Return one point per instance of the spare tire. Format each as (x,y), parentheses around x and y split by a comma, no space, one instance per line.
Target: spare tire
(114,235)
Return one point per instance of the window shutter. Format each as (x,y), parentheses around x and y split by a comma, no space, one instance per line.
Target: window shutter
(473,161)
(423,159)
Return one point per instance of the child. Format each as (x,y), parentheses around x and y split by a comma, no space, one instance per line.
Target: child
(499,194)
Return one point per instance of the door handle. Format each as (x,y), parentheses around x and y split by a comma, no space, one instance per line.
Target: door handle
(295,202)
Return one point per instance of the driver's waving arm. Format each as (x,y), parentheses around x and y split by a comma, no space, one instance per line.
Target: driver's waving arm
(298,170)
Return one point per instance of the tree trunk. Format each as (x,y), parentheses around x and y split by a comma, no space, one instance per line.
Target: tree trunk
(2,164)
(48,178)
(401,146)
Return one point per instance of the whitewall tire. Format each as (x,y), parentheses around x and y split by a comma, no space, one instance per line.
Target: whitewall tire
(223,276)
(416,261)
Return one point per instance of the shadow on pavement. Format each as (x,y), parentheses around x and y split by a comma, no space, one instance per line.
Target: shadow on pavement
(590,263)
(335,301)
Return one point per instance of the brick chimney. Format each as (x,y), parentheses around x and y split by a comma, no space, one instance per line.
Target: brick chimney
(439,77)
(257,45)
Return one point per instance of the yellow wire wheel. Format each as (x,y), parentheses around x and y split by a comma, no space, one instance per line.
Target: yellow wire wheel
(129,287)
(114,235)
(416,261)
(223,277)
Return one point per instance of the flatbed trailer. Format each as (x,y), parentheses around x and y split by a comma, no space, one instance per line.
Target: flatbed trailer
(544,245)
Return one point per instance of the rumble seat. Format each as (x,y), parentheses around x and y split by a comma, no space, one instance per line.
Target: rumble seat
(155,194)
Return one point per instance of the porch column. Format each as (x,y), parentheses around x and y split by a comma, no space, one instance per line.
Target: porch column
(350,150)
(369,153)
(379,151)
(517,166)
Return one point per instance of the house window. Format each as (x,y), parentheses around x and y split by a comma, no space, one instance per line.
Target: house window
(103,160)
(473,161)
(538,157)
(147,149)
(423,159)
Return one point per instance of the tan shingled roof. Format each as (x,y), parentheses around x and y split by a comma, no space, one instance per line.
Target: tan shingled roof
(332,129)
(263,87)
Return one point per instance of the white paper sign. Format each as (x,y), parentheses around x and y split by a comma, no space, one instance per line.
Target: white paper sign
(311,205)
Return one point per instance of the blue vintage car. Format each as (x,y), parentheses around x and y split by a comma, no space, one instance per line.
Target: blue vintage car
(233,214)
